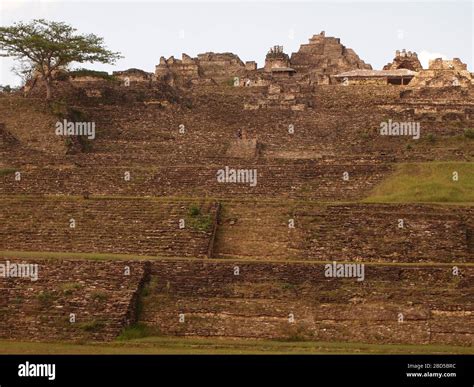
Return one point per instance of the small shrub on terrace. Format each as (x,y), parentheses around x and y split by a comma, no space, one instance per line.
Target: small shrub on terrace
(99,295)
(69,287)
(91,326)
(45,298)
(469,133)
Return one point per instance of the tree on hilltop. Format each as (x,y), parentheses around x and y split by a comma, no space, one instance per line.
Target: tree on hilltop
(48,46)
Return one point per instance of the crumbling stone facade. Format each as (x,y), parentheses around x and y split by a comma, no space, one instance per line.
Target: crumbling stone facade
(251,65)
(220,67)
(207,68)
(133,76)
(314,62)
(404,60)
(325,56)
(151,227)
(72,300)
(177,71)
(374,77)
(442,73)
(276,59)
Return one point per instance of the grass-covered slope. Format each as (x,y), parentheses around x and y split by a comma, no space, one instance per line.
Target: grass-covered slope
(427,182)
(194,346)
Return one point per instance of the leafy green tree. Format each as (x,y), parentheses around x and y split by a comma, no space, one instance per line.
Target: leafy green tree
(49,46)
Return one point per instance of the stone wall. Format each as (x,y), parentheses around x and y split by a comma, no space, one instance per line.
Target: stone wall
(442,64)
(390,233)
(307,179)
(397,233)
(72,300)
(177,71)
(221,67)
(406,305)
(121,226)
(207,68)
(340,123)
(392,304)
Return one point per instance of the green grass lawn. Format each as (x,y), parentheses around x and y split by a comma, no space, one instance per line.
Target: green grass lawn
(51,256)
(427,182)
(7,171)
(175,346)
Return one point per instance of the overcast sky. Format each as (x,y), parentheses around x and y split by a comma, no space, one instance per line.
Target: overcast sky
(144,31)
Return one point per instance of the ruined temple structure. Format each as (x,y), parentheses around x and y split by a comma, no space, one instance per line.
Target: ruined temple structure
(251,65)
(442,73)
(325,56)
(314,63)
(243,146)
(283,82)
(404,60)
(207,68)
(278,63)
(220,67)
(375,77)
(177,71)
(133,76)
(322,61)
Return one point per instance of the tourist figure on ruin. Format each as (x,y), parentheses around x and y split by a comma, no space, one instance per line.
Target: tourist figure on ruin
(239,134)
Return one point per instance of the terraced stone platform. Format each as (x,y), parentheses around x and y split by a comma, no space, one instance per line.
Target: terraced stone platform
(236,268)
(121,226)
(401,303)
(351,232)
(394,304)
(307,179)
(100,295)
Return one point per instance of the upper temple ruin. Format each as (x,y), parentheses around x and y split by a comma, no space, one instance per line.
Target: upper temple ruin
(322,61)
(314,63)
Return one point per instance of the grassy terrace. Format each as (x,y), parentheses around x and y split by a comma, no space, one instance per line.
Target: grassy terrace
(428,183)
(175,346)
(47,255)
(410,183)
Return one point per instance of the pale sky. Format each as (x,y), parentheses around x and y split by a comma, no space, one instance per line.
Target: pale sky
(144,31)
